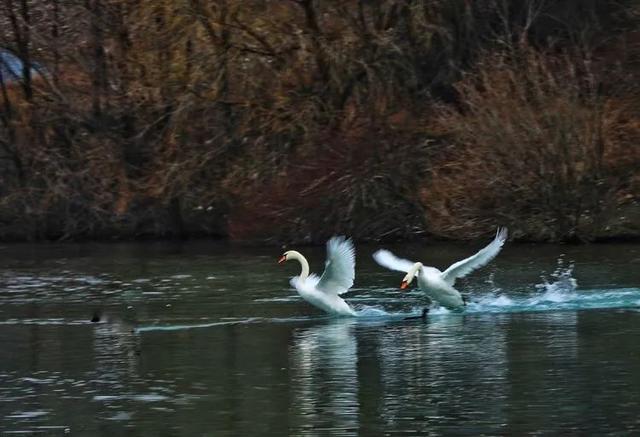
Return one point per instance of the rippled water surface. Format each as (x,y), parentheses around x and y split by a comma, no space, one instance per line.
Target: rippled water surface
(207,339)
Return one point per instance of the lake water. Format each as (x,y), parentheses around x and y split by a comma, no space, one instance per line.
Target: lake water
(202,339)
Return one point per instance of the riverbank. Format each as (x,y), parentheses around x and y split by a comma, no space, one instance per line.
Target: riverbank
(394,121)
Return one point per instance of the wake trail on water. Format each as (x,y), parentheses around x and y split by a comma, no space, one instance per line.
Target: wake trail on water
(558,292)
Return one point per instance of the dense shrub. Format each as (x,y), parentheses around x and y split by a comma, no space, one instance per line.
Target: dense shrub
(536,147)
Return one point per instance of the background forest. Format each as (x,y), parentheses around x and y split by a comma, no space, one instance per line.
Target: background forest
(291,120)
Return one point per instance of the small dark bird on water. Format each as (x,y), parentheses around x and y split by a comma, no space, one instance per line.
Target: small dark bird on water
(96,317)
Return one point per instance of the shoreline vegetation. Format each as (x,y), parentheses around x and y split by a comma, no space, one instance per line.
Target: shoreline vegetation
(293,120)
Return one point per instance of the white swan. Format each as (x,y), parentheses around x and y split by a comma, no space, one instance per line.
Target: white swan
(337,278)
(436,284)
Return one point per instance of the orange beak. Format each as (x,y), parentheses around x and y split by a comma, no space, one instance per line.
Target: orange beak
(282,259)
(404,285)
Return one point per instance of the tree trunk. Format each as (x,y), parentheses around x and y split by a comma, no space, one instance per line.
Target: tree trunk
(99,70)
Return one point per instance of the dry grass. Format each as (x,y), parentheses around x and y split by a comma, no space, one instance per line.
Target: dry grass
(535,147)
(363,183)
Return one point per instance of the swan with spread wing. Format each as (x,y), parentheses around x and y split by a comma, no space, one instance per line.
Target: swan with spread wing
(324,292)
(437,285)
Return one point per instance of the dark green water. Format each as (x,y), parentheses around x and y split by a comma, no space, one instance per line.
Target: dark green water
(203,339)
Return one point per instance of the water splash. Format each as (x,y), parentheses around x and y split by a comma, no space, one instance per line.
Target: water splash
(562,285)
(373,311)
(557,292)
(491,283)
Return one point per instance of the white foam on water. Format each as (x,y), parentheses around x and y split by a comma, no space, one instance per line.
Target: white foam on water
(559,292)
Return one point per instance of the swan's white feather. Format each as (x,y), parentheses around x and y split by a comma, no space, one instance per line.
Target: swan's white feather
(437,285)
(329,302)
(392,262)
(483,257)
(311,281)
(339,270)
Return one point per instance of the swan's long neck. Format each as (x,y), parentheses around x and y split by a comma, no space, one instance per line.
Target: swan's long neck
(303,262)
(413,271)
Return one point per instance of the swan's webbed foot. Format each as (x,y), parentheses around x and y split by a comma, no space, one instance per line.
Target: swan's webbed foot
(96,317)
(423,316)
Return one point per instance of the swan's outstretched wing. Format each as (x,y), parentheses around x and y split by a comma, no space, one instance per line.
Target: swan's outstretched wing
(340,267)
(466,266)
(392,262)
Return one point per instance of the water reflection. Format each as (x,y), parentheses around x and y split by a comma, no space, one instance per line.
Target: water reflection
(324,378)
(116,348)
(116,354)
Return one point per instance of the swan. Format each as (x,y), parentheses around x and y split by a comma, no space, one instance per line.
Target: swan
(437,285)
(339,271)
